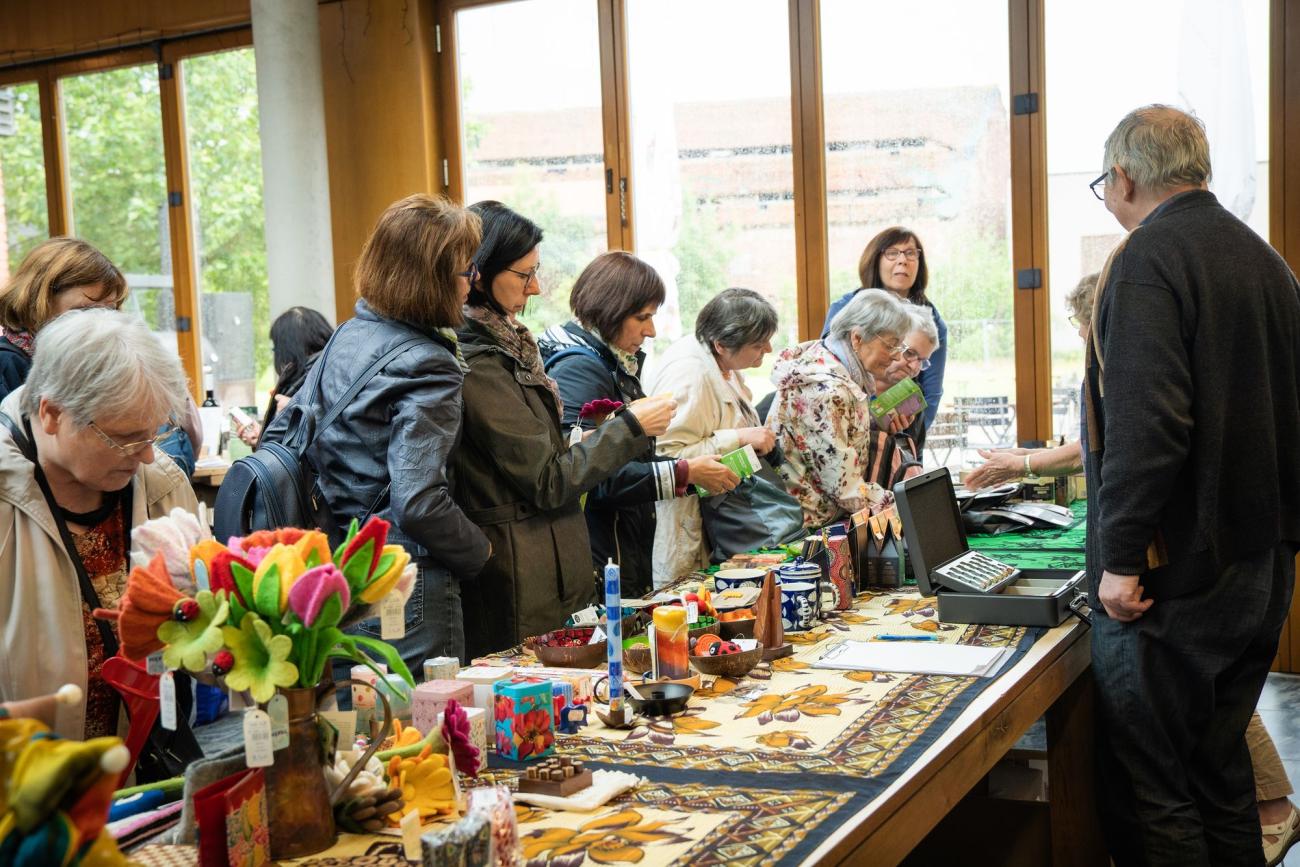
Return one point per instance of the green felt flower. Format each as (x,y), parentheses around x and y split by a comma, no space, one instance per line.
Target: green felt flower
(261,659)
(188,644)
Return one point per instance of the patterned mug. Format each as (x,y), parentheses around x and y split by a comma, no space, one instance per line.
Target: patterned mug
(732,579)
(797,606)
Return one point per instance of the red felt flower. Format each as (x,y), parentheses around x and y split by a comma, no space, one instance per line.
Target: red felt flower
(376,529)
(221,577)
(599,408)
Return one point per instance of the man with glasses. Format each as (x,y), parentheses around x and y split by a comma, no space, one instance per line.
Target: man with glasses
(1193,530)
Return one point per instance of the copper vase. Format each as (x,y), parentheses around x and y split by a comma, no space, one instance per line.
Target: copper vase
(298,797)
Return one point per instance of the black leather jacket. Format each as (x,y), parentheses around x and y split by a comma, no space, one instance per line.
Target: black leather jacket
(389,452)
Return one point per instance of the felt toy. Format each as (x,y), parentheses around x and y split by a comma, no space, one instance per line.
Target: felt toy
(58,794)
(44,707)
(151,599)
(456,732)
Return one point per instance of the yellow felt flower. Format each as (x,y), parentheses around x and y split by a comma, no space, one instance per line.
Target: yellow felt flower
(281,566)
(261,659)
(314,540)
(381,584)
(426,785)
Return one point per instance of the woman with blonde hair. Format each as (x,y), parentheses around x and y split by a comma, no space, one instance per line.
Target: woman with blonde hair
(387,453)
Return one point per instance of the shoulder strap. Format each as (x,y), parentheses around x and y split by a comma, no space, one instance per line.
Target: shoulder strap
(88,594)
(570,352)
(361,381)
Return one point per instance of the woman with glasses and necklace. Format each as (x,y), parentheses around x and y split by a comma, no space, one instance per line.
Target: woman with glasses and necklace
(895,260)
(515,475)
(78,469)
(820,413)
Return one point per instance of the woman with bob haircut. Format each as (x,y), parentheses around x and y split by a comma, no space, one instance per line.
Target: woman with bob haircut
(715,412)
(598,356)
(79,467)
(895,260)
(820,412)
(516,476)
(58,275)
(297,337)
(389,451)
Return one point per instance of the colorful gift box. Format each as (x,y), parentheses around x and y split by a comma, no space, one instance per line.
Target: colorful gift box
(579,679)
(483,677)
(432,697)
(524,719)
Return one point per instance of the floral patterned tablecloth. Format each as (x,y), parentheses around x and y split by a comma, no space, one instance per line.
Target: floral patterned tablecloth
(761,769)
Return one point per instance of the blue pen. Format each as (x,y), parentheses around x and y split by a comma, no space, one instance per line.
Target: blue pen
(906,638)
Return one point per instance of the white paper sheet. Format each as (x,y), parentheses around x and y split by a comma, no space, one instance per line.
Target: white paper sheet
(914,657)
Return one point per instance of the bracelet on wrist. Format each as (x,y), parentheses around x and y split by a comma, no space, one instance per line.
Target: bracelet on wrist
(1029,471)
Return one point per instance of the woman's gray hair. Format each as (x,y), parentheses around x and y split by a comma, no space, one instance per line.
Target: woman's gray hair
(95,363)
(923,321)
(735,318)
(1158,147)
(872,312)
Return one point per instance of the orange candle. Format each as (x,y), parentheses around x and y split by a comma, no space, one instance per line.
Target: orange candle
(670,641)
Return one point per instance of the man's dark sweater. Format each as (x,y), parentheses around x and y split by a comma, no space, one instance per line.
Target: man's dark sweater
(1199,326)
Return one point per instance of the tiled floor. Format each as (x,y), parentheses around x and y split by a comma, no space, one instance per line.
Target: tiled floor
(1279,707)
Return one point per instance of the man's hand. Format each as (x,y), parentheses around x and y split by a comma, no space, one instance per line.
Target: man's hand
(1121,596)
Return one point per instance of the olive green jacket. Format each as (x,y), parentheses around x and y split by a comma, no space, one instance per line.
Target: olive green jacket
(521,483)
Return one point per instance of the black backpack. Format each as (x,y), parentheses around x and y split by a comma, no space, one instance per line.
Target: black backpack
(276,485)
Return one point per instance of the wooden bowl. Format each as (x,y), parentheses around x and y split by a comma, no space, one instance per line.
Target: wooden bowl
(636,658)
(733,629)
(731,665)
(585,656)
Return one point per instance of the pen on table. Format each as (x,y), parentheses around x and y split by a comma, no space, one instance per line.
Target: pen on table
(905,638)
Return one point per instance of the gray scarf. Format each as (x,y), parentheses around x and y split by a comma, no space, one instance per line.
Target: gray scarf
(843,352)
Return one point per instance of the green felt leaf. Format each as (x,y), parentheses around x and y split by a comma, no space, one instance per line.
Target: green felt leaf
(331,612)
(244,581)
(357,569)
(390,655)
(267,596)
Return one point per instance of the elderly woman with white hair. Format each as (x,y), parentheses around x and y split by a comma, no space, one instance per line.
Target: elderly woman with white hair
(79,469)
(820,413)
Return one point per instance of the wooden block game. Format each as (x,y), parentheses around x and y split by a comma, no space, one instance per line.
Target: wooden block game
(558,776)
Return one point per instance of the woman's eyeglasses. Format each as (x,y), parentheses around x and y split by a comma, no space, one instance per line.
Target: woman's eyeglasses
(529,276)
(911,356)
(130,450)
(893,254)
(471,274)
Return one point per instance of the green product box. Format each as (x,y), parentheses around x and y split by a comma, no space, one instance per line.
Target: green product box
(743,462)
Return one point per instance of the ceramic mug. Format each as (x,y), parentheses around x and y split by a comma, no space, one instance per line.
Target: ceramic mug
(797,606)
(732,579)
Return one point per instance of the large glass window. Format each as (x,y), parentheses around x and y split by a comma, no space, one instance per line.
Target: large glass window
(1212,59)
(24,218)
(225,160)
(713,183)
(119,185)
(918,135)
(531,130)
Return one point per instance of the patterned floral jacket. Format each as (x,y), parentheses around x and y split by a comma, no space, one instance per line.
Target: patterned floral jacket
(823,427)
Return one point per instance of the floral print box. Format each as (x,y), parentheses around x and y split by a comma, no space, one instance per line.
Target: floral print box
(524,716)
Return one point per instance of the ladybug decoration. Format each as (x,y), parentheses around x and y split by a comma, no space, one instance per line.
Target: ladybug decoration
(724,648)
(185,610)
(223,662)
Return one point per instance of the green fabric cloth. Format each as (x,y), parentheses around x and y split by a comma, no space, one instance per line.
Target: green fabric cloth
(1039,549)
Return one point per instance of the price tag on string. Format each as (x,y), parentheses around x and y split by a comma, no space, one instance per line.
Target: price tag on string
(153,664)
(167,700)
(278,709)
(346,723)
(257,739)
(597,636)
(410,826)
(392,617)
(692,612)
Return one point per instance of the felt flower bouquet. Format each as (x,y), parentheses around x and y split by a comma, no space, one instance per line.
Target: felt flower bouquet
(265,611)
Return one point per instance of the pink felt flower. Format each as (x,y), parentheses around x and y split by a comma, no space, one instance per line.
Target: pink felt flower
(313,589)
(456,732)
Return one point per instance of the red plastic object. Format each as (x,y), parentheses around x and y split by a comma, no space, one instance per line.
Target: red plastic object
(139,689)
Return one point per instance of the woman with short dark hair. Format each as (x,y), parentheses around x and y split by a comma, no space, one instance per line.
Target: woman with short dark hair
(715,413)
(389,451)
(516,477)
(297,337)
(895,260)
(598,356)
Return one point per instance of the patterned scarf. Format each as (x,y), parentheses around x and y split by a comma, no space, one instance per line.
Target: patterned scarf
(843,352)
(626,360)
(24,340)
(518,342)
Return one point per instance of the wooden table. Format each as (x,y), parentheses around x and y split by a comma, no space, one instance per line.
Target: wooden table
(1052,679)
